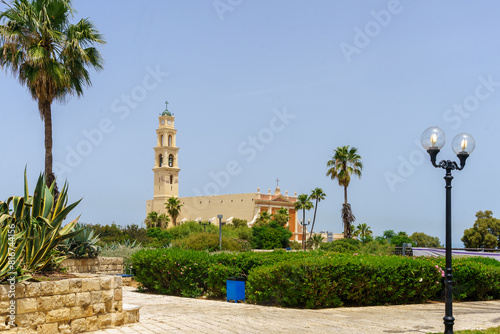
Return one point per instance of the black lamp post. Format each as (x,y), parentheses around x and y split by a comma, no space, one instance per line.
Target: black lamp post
(220,231)
(304,232)
(204,224)
(433,139)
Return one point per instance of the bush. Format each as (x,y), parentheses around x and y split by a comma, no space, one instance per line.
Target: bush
(339,279)
(348,246)
(313,279)
(206,241)
(474,278)
(270,236)
(172,271)
(161,238)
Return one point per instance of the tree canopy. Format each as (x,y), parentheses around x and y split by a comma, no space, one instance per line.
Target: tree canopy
(485,233)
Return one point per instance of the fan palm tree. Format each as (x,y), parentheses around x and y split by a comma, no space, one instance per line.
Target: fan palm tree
(318,195)
(163,220)
(303,203)
(264,219)
(48,55)
(173,207)
(344,163)
(362,230)
(151,219)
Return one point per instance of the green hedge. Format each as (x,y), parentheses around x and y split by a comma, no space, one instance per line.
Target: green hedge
(340,279)
(313,279)
(474,278)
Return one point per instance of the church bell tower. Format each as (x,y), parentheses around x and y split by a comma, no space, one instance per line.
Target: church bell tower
(166,167)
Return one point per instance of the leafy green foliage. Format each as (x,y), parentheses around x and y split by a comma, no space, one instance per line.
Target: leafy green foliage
(239,223)
(38,219)
(162,238)
(423,240)
(474,278)
(336,280)
(82,245)
(271,236)
(206,241)
(281,216)
(348,246)
(485,233)
(314,279)
(364,232)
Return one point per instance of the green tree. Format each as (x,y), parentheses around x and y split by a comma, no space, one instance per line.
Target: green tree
(364,232)
(421,239)
(344,163)
(239,223)
(48,55)
(173,207)
(318,195)
(270,236)
(315,241)
(485,233)
(400,239)
(281,216)
(303,203)
(151,219)
(263,220)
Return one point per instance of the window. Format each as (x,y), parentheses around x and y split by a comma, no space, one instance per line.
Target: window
(169,140)
(161,160)
(170,160)
(171,179)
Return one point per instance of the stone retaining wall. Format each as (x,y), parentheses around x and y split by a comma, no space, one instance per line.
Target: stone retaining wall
(67,306)
(99,265)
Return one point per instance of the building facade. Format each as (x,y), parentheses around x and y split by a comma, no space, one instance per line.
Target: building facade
(246,206)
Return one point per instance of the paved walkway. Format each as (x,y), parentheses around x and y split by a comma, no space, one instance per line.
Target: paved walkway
(166,314)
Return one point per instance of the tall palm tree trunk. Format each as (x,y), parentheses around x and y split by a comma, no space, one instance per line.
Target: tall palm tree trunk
(303,227)
(45,111)
(314,218)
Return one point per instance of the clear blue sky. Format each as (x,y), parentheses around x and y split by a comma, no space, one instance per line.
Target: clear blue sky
(370,74)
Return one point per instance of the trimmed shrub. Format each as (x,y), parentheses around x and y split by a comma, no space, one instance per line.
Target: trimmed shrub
(348,246)
(270,236)
(342,279)
(472,279)
(172,271)
(206,241)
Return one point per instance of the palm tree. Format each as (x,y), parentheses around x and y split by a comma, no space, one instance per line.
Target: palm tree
(318,195)
(49,55)
(264,219)
(362,230)
(163,220)
(344,163)
(151,219)
(173,207)
(303,203)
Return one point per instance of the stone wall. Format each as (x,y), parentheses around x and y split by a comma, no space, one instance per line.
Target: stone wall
(66,306)
(99,265)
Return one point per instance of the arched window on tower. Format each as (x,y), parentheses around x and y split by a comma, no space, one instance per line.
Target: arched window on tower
(170,160)
(161,160)
(169,140)
(161,140)
(171,179)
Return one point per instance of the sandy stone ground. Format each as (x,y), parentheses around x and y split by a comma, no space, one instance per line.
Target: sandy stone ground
(167,314)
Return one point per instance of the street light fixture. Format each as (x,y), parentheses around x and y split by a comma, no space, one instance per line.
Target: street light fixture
(433,139)
(304,232)
(204,224)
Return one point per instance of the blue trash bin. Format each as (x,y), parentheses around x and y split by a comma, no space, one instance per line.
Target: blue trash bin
(235,287)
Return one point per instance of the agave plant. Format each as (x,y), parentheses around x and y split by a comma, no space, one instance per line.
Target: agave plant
(82,245)
(37,222)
